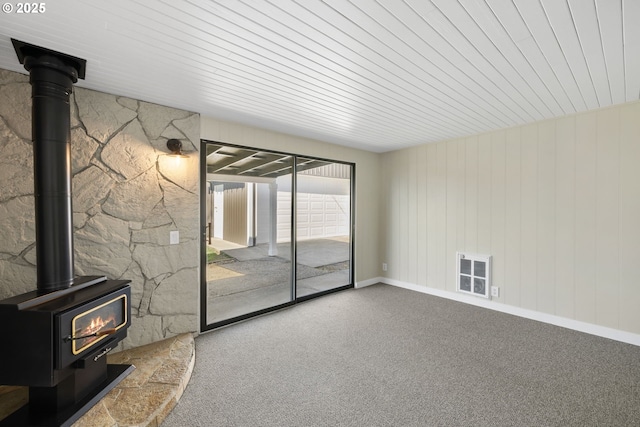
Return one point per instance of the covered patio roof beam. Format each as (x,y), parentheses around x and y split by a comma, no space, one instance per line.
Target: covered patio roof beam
(238,156)
(258,163)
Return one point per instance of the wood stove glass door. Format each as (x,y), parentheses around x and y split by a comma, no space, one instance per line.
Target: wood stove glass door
(98,323)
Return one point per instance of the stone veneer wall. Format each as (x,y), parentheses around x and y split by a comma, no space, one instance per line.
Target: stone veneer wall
(127,196)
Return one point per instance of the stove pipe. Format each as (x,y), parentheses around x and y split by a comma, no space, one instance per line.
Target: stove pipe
(52,75)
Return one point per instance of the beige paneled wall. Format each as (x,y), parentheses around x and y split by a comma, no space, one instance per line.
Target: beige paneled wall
(367,180)
(556,203)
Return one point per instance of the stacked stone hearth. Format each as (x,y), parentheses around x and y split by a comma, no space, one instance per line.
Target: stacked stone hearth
(127,196)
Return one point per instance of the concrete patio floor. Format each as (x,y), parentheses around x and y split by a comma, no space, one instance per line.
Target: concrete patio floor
(251,280)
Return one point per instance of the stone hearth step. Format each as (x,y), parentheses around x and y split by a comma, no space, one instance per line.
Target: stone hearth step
(145,397)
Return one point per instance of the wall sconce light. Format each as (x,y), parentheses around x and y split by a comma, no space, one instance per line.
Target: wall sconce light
(175,146)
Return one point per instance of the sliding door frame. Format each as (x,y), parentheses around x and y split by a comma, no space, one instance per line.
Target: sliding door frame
(204,326)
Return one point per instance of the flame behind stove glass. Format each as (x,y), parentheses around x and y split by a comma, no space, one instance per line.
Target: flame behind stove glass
(109,315)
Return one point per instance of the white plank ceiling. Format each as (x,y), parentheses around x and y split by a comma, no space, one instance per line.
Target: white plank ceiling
(372,74)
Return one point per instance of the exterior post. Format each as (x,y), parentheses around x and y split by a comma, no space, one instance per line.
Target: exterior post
(273,218)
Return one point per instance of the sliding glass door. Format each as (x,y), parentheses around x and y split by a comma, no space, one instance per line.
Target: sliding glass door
(276,229)
(323,226)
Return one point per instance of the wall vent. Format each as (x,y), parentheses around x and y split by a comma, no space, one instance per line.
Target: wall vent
(474,274)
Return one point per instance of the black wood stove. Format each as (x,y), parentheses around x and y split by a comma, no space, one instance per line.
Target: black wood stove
(55,339)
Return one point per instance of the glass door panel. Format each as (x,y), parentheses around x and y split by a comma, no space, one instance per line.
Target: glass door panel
(248,238)
(323,226)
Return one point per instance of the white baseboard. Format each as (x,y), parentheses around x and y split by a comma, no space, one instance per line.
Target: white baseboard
(368,282)
(589,328)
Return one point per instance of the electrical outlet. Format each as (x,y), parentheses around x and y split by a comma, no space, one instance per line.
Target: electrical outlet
(495,291)
(174,237)
(384,266)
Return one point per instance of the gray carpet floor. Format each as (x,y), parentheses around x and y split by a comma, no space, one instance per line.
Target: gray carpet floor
(385,356)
